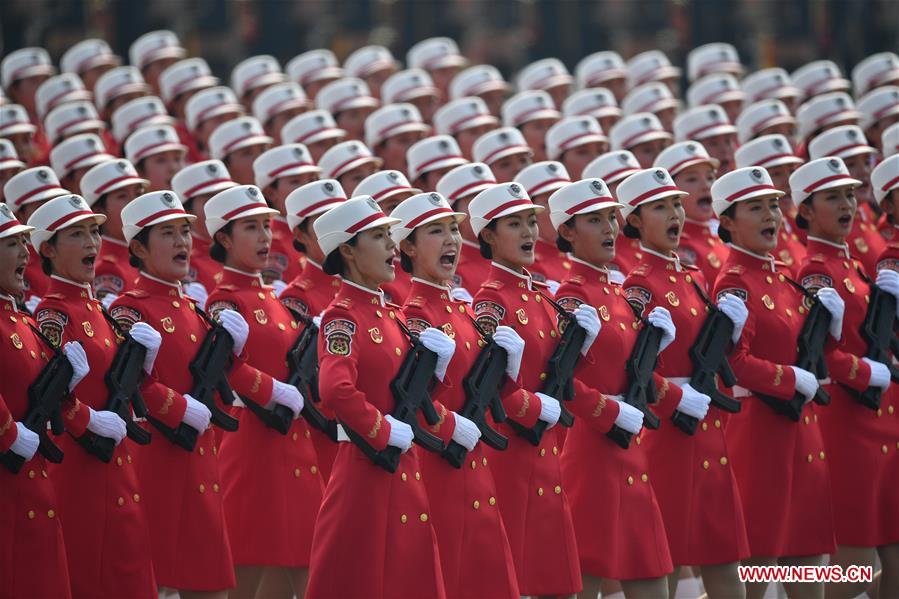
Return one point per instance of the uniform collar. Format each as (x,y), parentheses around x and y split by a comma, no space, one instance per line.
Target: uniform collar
(241,276)
(351,288)
(748,257)
(65,286)
(672,259)
(508,273)
(471,244)
(840,250)
(12,303)
(589,270)
(114,241)
(148,282)
(430,285)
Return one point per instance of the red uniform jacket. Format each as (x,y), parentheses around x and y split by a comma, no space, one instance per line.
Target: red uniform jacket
(114,274)
(284,262)
(203,269)
(473,268)
(865,241)
(702,248)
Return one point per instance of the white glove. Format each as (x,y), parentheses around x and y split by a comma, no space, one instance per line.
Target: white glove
(550,409)
(735,309)
(693,403)
(888,280)
(278,286)
(629,418)
(661,317)
(26,442)
(466,432)
(150,339)
(237,327)
(198,293)
(461,294)
(74,353)
(508,339)
(553,286)
(108,299)
(196,415)
(107,424)
(835,305)
(317,321)
(806,383)
(32,302)
(880,374)
(588,318)
(287,396)
(439,342)
(400,434)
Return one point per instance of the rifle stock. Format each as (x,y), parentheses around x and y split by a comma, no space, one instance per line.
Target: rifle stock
(641,390)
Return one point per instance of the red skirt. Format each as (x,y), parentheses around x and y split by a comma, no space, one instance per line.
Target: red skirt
(32,552)
(272,492)
(783,477)
(183,499)
(105,526)
(474,551)
(693,478)
(620,532)
(536,513)
(374,536)
(863,451)
(326,450)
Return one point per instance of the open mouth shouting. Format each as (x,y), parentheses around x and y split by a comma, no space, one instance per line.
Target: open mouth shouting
(769,234)
(673,232)
(448,259)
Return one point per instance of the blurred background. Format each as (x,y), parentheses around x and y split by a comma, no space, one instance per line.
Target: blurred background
(505,33)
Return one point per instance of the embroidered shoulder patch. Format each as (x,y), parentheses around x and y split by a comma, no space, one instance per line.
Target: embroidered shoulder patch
(492,284)
(739,292)
(417,325)
(125,316)
(569,304)
(295,303)
(217,306)
(687,255)
(52,323)
(489,315)
(339,336)
(816,281)
(108,283)
(888,264)
(638,298)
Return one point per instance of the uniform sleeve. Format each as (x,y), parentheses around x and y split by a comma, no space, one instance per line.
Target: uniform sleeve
(757,374)
(417,321)
(842,366)
(522,406)
(163,403)
(338,374)
(8,430)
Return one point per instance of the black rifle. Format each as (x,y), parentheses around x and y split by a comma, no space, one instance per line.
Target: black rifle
(209,367)
(641,388)
(560,367)
(410,389)
(879,331)
(482,387)
(302,362)
(45,396)
(709,355)
(123,379)
(811,343)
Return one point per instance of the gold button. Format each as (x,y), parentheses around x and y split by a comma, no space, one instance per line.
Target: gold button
(688,278)
(176,303)
(723,460)
(202,451)
(605,290)
(542,376)
(90,308)
(481,343)
(890,409)
(557,490)
(193,338)
(801,310)
(202,488)
(136,498)
(307,434)
(33,354)
(418,476)
(542,451)
(806,418)
(215,450)
(630,480)
(789,312)
(693,311)
(644,477)
(293,324)
(31,514)
(884,449)
(879,414)
(295,436)
(261,295)
(638,440)
(468,345)
(404,518)
(672,278)
(717,423)
(553,333)
(282,326)
(540,333)
(296,472)
(128,459)
(398,351)
(423,517)
(379,313)
(476,504)
(524,297)
(809,458)
(44,355)
(120,501)
(540,491)
(538,299)
(448,309)
(705,464)
(474,464)
(621,325)
(32,474)
(13,318)
(617,291)
(403,476)
(484,461)
(781,278)
(313,469)
(769,279)
(106,342)
(215,487)
(44,473)
(821,455)
(492,501)
(555,450)
(705,426)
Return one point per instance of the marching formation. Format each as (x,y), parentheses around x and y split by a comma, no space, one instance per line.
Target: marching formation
(362,330)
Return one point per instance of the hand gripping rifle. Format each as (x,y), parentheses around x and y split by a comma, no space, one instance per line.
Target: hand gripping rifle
(302,362)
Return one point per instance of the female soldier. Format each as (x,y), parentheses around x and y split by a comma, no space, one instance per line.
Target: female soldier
(107,539)
(385,545)
(272,489)
(596,470)
(528,477)
(855,433)
(779,464)
(475,555)
(703,519)
(34,563)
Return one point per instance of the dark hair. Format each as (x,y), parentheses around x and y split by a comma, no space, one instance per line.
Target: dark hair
(723,233)
(46,265)
(563,244)
(405,260)
(139,167)
(217,251)
(629,230)
(485,249)
(304,227)
(893,198)
(800,220)
(334,263)
(144,238)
